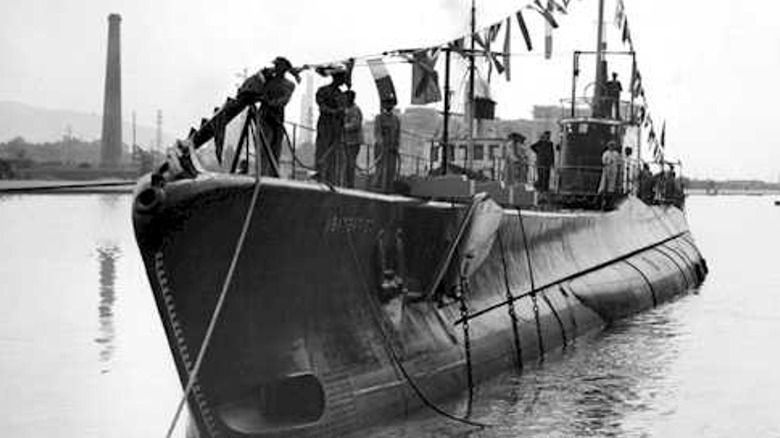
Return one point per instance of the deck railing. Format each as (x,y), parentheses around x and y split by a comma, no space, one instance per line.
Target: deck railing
(485,161)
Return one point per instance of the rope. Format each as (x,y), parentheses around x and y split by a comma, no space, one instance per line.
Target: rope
(324,156)
(221,301)
(372,166)
(571,313)
(294,155)
(464,313)
(394,356)
(557,318)
(540,341)
(511,307)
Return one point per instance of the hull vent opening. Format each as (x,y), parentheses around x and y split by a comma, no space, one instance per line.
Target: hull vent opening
(283,403)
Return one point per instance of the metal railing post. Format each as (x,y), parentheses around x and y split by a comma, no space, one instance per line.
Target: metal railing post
(293,147)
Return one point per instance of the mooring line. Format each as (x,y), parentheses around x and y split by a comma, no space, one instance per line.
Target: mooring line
(464,311)
(534,300)
(511,306)
(395,359)
(557,318)
(222,295)
(571,312)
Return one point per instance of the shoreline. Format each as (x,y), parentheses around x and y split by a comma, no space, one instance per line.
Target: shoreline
(22,186)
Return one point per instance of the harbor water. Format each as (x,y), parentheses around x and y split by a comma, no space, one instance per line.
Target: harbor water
(83,354)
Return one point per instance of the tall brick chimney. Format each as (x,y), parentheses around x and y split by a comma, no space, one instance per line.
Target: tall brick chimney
(111,140)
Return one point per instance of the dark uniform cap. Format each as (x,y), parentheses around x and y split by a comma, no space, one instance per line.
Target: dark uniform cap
(516,136)
(284,62)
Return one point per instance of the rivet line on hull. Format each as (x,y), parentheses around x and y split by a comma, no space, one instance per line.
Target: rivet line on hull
(181,342)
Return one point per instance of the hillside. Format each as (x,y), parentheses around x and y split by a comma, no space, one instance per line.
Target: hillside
(40,125)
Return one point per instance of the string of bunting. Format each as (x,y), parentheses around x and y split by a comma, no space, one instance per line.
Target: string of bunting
(425,83)
(425,78)
(657,143)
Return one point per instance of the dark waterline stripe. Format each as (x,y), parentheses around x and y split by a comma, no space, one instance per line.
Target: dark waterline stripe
(573,276)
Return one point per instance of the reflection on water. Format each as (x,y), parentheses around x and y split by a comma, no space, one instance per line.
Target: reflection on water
(106,256)
(614,383)
(75,305)
(108,253)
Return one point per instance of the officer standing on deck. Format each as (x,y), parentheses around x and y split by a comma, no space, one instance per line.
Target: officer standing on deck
(353,138)
(387,133)
(330,127)
(613,90)
(544,161)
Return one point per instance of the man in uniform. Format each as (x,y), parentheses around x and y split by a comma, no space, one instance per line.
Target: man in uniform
(387,133)
(330,127)
(353,137)
(544,161)
(517,160)
(276,94)
(613,90)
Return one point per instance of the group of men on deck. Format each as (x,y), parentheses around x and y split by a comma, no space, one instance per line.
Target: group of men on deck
(340,136)
(621,174)
(529,164)
(339,126)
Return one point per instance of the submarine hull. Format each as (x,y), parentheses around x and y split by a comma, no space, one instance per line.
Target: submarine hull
(334,320)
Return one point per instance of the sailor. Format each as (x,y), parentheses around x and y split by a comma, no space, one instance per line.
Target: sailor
(629,171)
(330,126)
(673,191)
(613,90)
(277,93)
(517,160)
(353,137)
(612,161)
(273,90)
(544,161)
(387,132)
(646,184)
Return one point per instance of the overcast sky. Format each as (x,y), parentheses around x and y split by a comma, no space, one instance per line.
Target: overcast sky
(710,68)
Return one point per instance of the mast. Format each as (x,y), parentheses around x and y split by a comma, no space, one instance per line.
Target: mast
(446,131)
(470,150)
(598,92)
